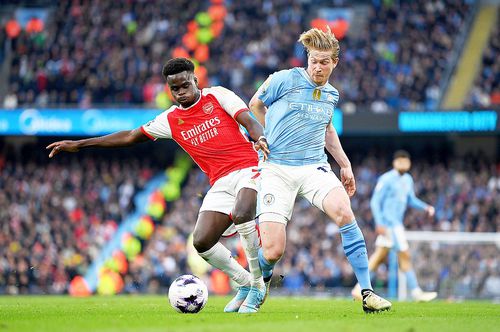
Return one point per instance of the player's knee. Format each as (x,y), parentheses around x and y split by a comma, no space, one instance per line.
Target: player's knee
(243,215)
(343,215)
(272,252)
(201,243)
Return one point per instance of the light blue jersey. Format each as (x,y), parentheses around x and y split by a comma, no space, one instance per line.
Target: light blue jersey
(392,194)
(298,112)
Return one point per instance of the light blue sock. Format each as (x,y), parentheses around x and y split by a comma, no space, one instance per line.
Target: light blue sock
(411,280)
(266,267)
(355,250)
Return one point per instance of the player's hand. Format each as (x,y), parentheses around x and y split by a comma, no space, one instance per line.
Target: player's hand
(261,145)
(347,178)
(68,146)
(381,230)
(430,211)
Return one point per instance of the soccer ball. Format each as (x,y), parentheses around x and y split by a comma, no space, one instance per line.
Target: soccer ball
(188,294)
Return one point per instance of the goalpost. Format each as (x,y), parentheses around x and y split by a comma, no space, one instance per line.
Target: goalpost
(456,264)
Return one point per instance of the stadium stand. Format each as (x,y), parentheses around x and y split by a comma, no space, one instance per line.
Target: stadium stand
(60,213)
(57,215)
(87,59)
(486,90)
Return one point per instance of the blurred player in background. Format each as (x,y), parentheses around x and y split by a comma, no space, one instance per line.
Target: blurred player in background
(393,193)
(296,107)
(206,126)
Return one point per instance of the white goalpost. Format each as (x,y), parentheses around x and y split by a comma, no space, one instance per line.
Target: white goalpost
(464,260)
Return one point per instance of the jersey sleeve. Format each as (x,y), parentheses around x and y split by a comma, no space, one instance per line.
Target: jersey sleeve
(158,127)
(229,101)
(376,201)
(413,200)
(274,87)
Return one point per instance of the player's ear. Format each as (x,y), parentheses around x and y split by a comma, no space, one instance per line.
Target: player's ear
(196,80)
(335,62)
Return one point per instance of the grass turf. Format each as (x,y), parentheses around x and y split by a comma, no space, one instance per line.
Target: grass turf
(153,313)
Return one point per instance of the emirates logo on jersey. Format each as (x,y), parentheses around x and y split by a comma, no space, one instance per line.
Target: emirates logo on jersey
(208,108)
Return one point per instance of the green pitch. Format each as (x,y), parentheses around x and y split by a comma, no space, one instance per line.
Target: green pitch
(153,313)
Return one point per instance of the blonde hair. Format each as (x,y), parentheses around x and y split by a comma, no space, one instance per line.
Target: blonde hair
(316,39)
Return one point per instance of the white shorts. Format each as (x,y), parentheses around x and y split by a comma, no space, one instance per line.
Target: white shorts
(222,196)
(396,239)
(280,185)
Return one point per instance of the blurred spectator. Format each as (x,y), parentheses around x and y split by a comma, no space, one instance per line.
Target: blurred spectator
(84,57)
(55,217)
(486,89)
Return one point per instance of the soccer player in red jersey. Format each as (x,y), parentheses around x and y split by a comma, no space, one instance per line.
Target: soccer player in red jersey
(206,126)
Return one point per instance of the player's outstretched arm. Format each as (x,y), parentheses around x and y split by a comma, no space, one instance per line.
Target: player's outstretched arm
(332,144)
(256,132)
(118,139)
(258,109)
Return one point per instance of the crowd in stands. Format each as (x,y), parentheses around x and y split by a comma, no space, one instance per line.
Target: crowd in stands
(97,52)
(486,90)
(56,215)
(112,52)
(399,59)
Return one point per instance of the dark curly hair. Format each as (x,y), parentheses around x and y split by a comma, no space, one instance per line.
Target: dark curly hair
(177,65)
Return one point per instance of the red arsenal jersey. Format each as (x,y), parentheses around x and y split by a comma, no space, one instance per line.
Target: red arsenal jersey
(208,132)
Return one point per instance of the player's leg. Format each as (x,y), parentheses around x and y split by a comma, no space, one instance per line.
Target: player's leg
(275,203)
(273,246)
(374,262)
(276,198)
(208,230)
(377,258)
(322,188)
(338,207)
(411,279)
(243,215)
(273,235)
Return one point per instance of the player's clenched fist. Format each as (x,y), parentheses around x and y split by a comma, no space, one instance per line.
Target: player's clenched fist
(68,146)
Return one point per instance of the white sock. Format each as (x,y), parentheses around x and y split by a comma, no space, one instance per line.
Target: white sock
(220,257)
(251,245)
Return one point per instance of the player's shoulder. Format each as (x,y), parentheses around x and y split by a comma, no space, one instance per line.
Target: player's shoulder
(216,90)
(284,74)
(408,177)
(387,176)
(169,110)
(331,89)
(221,94)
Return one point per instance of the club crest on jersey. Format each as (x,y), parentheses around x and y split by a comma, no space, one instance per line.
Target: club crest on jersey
(208,108)
(268,199)
(180,121)
(330,98)
(317,94)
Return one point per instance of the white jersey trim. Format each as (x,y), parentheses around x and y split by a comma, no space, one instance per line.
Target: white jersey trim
(159,126)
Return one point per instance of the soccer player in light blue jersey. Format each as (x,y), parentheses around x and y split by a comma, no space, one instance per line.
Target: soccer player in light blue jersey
(296,107)
(393,193)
